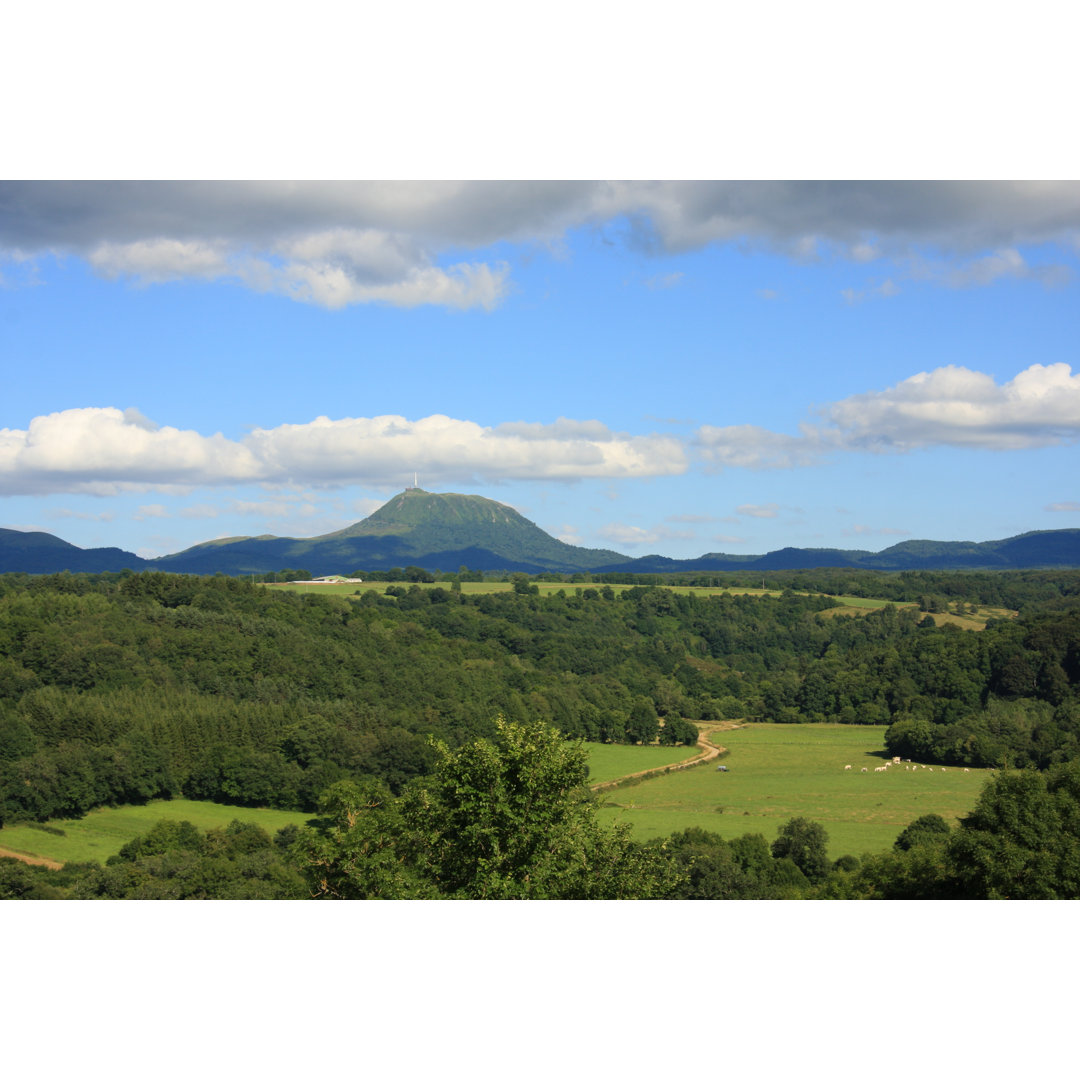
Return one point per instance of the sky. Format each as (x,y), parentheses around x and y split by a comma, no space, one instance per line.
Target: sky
(669,367)
(651,367)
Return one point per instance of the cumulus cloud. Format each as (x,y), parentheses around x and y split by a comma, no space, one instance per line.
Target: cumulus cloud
(949,406)
(634,536)
(104,450)
(748,446)
(886,289)
(151,510)
(161,259)
(765,510)
(1006,263)
(336,244)
(954,406)
(1063,507)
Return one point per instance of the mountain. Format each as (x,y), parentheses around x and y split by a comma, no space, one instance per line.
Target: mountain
(43,553)
(415,528)
(445,532)
(1028,551)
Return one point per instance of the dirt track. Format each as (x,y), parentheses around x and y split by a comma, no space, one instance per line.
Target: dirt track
(33,860)
(708,752)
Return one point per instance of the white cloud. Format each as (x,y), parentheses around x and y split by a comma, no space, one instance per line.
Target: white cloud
(159,260)
(765,510)
(151,510)
(102,451)
(750,447)
(337,244)
(81,515)
(634,536)
(954,406)
(949,406)
(886,289)
(1063,507)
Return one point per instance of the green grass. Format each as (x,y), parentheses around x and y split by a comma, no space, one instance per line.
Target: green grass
(609,761)
(780,771)
(103,832)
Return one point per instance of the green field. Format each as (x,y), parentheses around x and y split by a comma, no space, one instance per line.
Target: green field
(857,603)
(609,761)
(105,831)
(777,771)
(780,771)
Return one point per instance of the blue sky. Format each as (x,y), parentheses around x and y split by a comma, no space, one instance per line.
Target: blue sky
(664,367)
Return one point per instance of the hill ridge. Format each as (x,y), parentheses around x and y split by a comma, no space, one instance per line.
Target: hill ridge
(443,531)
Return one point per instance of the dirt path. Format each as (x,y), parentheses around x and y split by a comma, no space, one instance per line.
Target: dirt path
(33,860)
(709,751)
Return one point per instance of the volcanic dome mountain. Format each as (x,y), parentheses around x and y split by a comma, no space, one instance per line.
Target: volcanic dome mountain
(416,527)
(448,531)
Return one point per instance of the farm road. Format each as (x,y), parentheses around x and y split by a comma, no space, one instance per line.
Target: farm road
(33,860)
(708,752)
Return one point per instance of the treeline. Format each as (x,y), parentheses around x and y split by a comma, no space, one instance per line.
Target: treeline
(510,818)
(122,688)
(933,590)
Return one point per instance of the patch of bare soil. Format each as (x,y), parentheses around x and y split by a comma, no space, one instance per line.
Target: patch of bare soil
(33,860)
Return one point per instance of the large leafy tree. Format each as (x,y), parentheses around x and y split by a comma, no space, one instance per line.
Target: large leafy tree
(805,843)
(502,818)
(1022,840)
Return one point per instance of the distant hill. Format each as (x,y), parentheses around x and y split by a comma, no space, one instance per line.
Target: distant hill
(1028,551)
(445,532)
(43,553)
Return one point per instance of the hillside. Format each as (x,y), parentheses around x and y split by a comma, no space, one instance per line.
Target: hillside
(43,553)
(443,532)
(416,527)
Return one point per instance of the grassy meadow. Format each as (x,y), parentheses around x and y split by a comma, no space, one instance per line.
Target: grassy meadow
(776,772)
(609,761)
(103,832)
(851,605)
(780,771)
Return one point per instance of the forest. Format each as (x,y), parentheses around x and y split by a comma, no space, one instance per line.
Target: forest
(376,711)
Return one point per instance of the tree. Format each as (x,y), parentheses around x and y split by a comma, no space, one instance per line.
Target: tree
(643,725)
(928,829)
(804,843)
(502,818)
(1022,840)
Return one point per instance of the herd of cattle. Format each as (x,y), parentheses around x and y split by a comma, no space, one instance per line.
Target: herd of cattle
(907,765)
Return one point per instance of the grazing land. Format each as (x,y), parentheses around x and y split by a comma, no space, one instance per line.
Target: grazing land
(850,605)
(103,832)
(780,771)
(611,761)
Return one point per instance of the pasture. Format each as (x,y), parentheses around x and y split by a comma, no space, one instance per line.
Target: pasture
(610,761)
(850,605)
(780,771)
(103,832)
